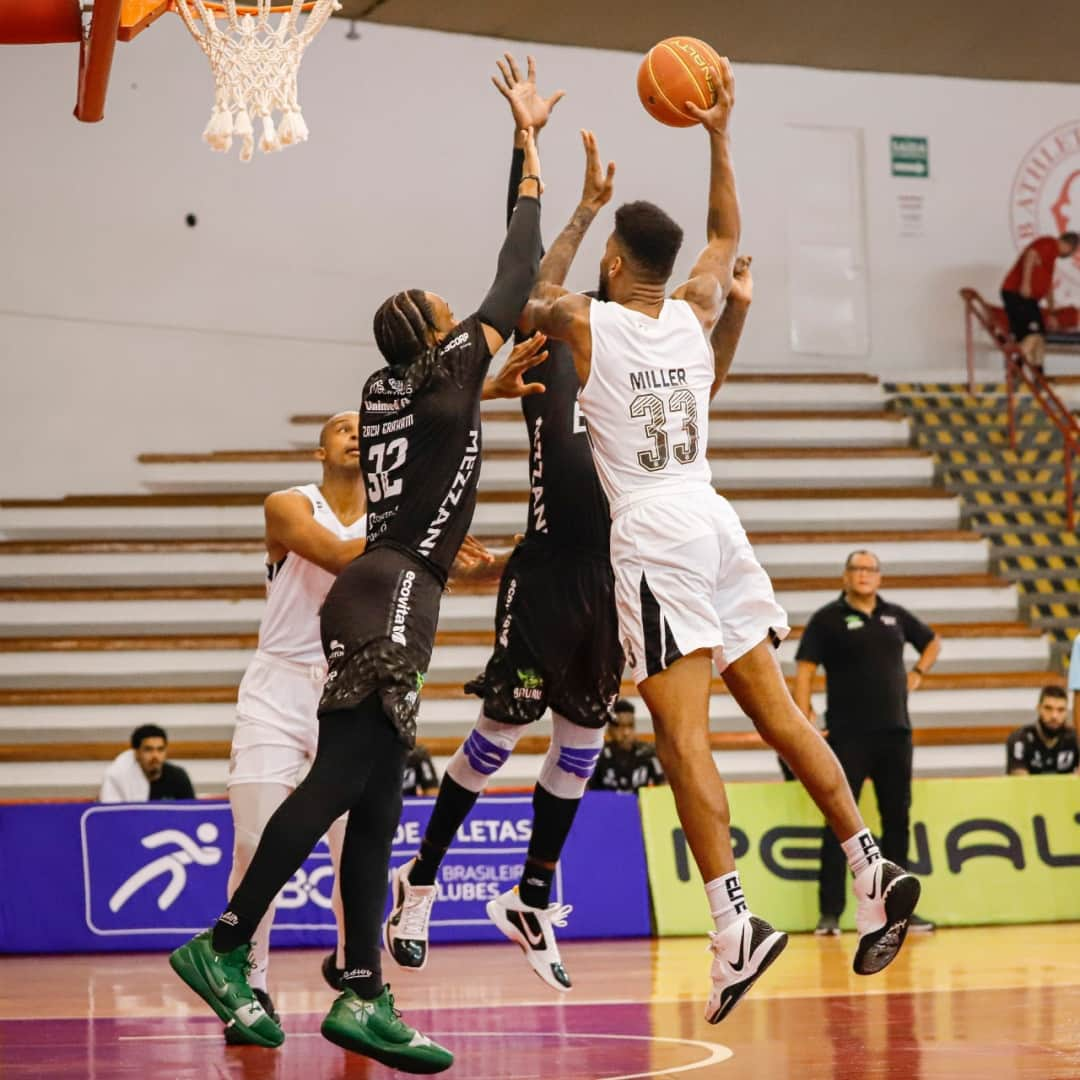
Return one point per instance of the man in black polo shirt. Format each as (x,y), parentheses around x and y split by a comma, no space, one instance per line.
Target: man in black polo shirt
(1047,746)
(626,763)
(859,639)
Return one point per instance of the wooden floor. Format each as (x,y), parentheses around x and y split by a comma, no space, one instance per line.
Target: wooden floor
(978,1003)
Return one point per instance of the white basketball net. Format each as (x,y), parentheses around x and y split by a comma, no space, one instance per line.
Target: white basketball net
(255,65)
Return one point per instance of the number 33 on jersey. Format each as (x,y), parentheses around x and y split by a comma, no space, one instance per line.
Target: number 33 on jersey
(647,398)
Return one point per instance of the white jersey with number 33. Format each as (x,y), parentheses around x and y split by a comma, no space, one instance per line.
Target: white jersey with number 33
(646,402)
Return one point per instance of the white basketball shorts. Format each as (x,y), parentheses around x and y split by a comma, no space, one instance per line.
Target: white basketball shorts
(686,578)
(276,725)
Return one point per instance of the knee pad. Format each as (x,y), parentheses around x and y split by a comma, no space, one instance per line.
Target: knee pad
(483,753)
(571,758)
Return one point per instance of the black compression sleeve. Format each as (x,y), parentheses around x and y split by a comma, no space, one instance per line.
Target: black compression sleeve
(517,168)
(519,261)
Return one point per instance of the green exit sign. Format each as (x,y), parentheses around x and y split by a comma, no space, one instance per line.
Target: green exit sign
(910,155)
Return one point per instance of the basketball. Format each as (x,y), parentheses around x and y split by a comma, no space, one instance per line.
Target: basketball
(677,70)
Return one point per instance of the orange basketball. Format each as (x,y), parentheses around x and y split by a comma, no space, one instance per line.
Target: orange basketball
(677,70)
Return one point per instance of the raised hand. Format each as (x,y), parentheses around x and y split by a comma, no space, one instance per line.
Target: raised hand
(530,109)
(599,185)
(510,382)
(715,119)
(742,281)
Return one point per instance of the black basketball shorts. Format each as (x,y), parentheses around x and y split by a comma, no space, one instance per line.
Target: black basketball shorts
(1025,315)
(556,639)
(378,629)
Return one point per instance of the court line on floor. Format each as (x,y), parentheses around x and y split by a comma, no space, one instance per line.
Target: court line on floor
(690,998)
(717,1052)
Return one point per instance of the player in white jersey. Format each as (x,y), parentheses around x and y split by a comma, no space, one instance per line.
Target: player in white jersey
(312,532)
(689,589)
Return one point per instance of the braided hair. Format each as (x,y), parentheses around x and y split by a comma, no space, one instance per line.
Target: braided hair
(404,332)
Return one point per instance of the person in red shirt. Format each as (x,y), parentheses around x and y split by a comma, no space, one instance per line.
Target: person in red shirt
(1030,280)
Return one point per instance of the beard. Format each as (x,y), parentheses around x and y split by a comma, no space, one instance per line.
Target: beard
(602,287)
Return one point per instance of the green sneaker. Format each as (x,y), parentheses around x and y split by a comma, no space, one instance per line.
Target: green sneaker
(376,1030)
(220,979)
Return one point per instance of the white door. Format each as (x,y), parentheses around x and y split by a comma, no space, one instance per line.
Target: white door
(826,241)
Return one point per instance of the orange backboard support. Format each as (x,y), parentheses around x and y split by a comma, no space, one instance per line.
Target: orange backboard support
(113,20)
(137,15)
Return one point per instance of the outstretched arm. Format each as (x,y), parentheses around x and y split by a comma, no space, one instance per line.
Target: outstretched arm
(711,277)
(729,327)
(552,310)
(519,258)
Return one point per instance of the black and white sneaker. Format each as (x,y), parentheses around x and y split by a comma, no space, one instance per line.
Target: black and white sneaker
(886,895)
(741,954)
(235,1037)
(405,933)
(533,929)
(828,926)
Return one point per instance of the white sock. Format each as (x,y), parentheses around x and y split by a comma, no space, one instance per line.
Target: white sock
(726,900)
(257,978)
(861,850)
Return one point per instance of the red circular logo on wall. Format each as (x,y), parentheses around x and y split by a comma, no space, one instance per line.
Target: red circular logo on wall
(1045,200)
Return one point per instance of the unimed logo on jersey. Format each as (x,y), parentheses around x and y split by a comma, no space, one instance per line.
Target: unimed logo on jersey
(1045,200)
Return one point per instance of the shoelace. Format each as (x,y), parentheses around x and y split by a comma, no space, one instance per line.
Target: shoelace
(557,913)
(415,913)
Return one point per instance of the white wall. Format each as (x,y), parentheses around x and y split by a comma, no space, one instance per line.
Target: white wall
(122,330)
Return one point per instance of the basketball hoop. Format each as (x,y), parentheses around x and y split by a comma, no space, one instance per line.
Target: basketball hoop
(255,65)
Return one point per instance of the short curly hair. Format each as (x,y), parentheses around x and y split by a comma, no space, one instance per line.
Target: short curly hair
(650,238)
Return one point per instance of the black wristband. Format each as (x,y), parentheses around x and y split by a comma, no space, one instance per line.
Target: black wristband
(530,176)
(918,670)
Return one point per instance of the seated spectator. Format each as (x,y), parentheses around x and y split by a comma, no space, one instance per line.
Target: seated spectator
(1048,745)
(1031,280)
(625,763)
(142,773)
(420,777)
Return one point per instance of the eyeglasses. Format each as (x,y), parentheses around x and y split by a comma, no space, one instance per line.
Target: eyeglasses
(864,570)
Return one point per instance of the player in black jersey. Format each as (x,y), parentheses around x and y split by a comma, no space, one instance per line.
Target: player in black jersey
(556,643)
(420,446)
(557,646)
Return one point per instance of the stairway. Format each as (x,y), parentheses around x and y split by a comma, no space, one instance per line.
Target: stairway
(117,610)
(1013,497)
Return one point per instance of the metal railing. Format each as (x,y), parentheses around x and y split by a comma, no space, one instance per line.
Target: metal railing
(1017,371)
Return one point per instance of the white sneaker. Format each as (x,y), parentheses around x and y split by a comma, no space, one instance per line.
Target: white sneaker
(741,953)
(886,895)
(533,929)
(405,932)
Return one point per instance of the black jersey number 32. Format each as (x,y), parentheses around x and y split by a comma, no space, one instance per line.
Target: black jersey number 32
(386,459)
(651,409)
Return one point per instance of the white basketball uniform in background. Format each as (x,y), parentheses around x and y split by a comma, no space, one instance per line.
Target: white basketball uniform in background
(686,577)
(276,732)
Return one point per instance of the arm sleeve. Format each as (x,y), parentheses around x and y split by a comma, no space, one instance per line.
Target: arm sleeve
(916,631)
(519,261)
(1074,665)
(517,168)
(812,646)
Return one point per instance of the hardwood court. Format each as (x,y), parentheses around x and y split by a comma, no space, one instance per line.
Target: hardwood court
(977,1003)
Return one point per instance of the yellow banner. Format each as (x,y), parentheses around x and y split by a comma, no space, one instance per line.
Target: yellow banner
(993,850)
